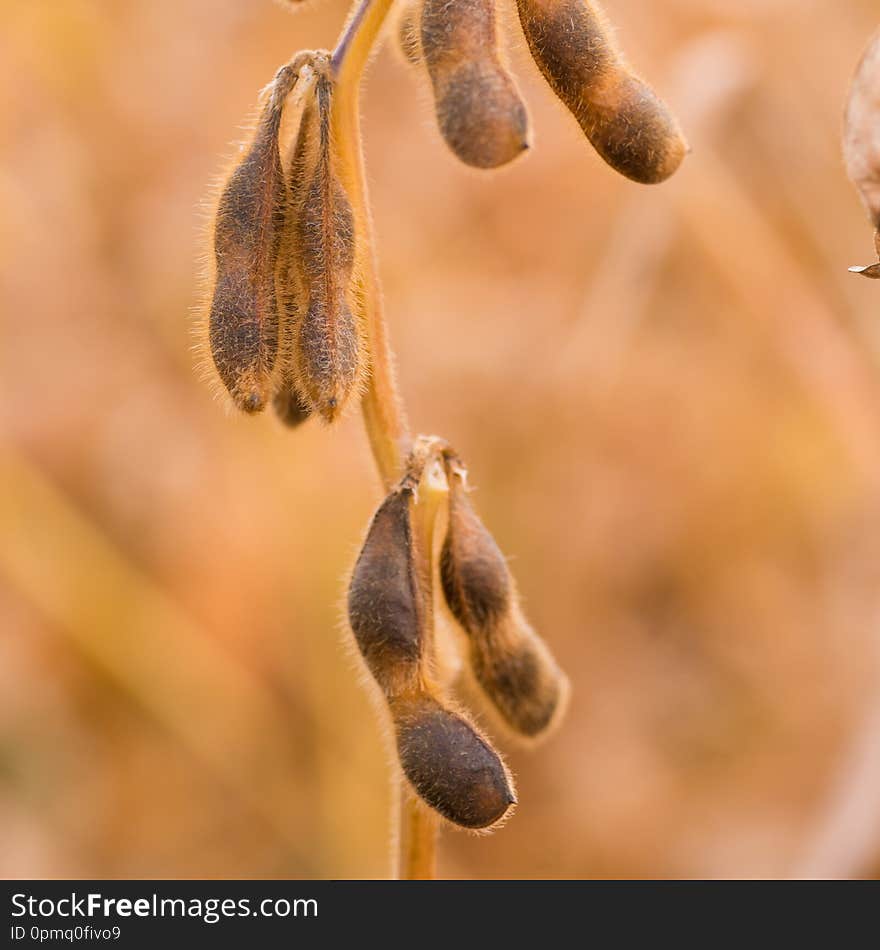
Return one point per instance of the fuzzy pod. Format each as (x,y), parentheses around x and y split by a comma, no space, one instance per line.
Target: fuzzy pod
(328,350)
(290,406)
(451,766)
(386,607)
(510,662)
(861,130)
(479,110)
(861,141)
(243,322)
(625,121)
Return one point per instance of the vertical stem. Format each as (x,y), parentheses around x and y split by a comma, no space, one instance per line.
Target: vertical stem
(384,415)
(383,411)
(419,824)
(418,839)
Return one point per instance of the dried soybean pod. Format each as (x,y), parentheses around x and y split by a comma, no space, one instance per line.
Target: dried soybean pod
(386,606)
(243,319)
(624,120)
(289,405)
(328,352)
(479,109)
(408,32)
(510,662)
(861,140)
(450,764)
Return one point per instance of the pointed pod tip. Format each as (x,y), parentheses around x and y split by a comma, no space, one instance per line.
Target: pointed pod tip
(870,270)
(451,766)
(329,410)
(250,402)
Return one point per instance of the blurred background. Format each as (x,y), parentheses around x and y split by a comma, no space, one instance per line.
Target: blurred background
(669,399)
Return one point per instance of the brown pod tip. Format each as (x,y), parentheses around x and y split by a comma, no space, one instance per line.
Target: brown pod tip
(481,115)
(639,136)
(450,765)
(479,110)
(385,606)
(521,678)
(625,121)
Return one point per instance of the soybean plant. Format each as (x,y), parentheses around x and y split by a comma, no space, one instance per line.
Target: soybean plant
(293,319)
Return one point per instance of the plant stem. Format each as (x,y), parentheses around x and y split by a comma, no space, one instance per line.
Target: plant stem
(419,824)
(384,415)
(418,839)
(383,411)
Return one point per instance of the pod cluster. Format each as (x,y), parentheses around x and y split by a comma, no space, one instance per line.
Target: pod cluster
(283,324)
(449,763)
(479,110)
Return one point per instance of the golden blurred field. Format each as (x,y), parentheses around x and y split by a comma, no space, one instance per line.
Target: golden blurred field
(669,399)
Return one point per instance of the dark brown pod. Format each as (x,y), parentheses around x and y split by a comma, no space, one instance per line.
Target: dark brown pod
(289,405)
(449,764)
(509,661)
(624,120)
(243,323)
(328,352)
(385,602)
(479,109)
